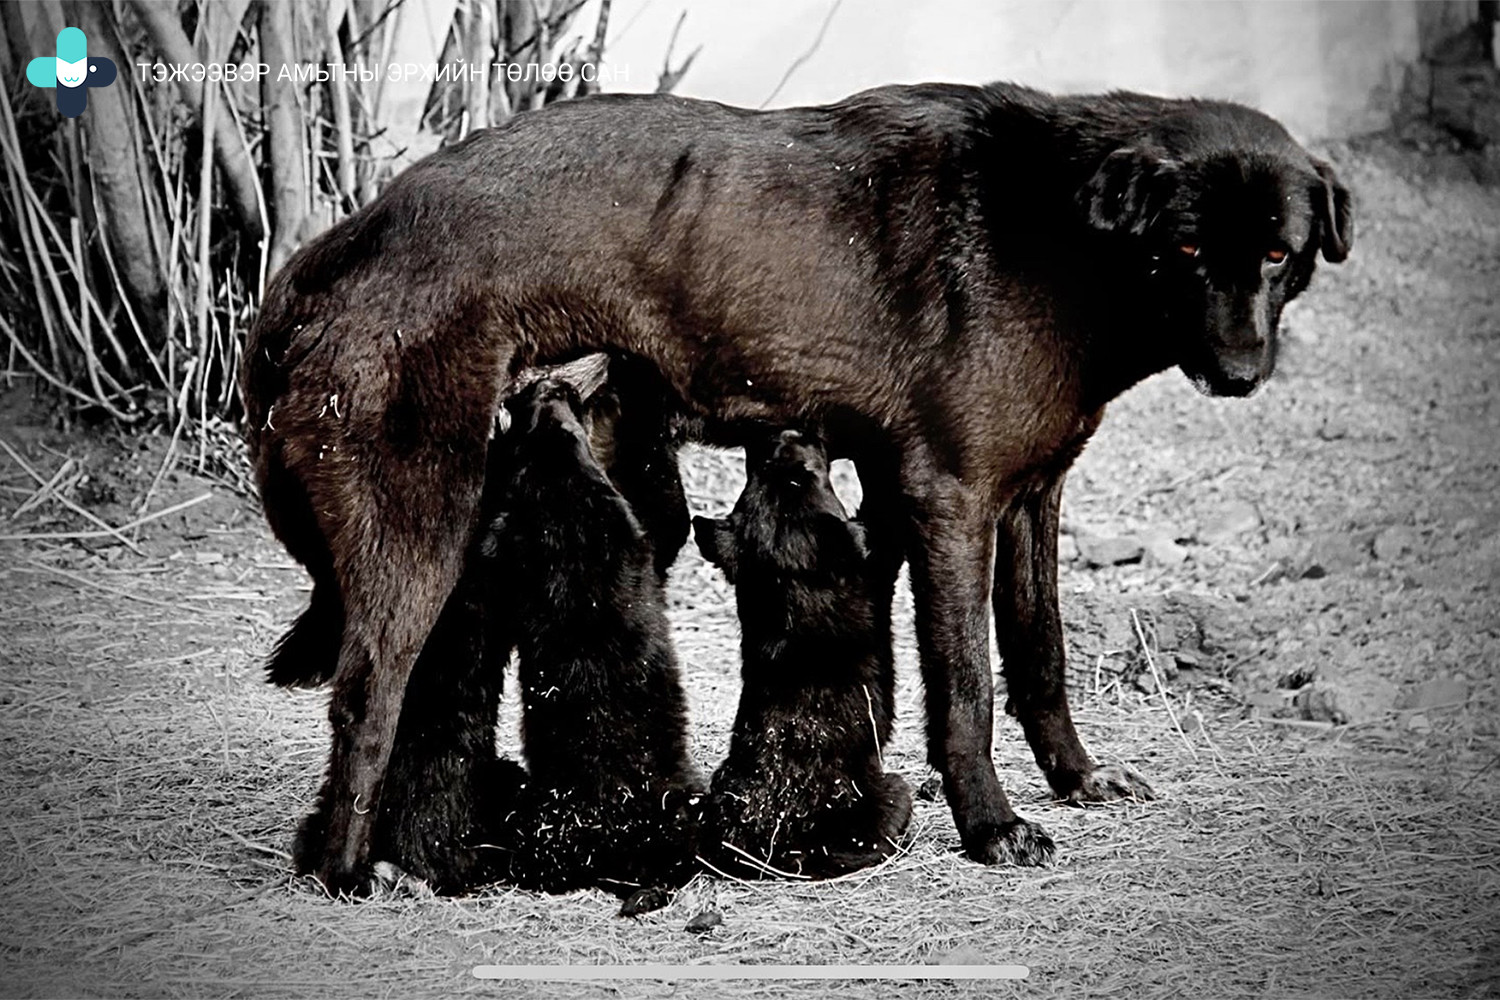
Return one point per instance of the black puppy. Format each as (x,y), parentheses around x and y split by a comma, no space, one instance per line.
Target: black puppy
(610,793)
(804,790)
(953,281)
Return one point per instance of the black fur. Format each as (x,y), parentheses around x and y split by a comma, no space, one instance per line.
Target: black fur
(443,784)
(953,280)
(448,790)
(804,790)
(610,793)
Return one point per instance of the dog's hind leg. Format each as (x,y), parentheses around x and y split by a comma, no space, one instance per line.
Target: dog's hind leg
(441,791)
(1028,629)
(396,568)
(950,577)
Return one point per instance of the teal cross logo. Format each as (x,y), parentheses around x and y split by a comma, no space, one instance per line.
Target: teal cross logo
(72,72)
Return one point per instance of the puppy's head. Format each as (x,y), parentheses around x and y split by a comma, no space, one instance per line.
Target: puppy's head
(788,518)
(547,403)
(1224,215)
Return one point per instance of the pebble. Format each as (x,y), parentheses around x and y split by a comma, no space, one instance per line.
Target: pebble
(1333,428)
(1325,701)
(1067,549)
(1097,550)
(1236,519)
(1332,552)
(1163,549)
(1439,691)
(704,921)
(1395,542)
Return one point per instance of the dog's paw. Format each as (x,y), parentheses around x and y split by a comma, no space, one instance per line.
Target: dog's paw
(1018,842)
(1108,783)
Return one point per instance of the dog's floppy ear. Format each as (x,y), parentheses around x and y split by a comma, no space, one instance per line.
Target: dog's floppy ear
(1128,190)
(715,538)
(1334,207)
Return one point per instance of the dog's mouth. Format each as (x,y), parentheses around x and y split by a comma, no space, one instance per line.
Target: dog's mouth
(1231,375)
(1210,385)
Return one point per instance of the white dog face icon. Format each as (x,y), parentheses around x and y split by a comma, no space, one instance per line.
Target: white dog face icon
(71,74)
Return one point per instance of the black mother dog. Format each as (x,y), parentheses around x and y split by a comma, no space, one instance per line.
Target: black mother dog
(953,280)
(804,790)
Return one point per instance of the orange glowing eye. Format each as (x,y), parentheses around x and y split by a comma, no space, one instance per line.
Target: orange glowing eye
(1276,256)
(1191,249)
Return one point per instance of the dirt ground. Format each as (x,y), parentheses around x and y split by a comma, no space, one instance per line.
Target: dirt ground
(1319,596)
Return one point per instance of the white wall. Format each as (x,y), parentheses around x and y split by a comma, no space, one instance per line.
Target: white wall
(1324,67)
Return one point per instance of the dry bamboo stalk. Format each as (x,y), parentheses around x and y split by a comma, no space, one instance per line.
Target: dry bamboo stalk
(205,218)
(40,369)
(163,24)
(343,134)
(130,316)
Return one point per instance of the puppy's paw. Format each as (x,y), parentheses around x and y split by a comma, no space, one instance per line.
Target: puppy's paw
(1018,842)
(1108,783)
(390,881)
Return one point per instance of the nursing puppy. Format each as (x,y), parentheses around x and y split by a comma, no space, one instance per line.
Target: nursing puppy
(953,281)
(804,790)
(609,793)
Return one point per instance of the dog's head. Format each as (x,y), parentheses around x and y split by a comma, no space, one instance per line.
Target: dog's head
(1225,215)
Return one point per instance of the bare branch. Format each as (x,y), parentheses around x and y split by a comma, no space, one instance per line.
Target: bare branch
(804,57)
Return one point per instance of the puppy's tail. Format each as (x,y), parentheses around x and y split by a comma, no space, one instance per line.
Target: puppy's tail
(309,652)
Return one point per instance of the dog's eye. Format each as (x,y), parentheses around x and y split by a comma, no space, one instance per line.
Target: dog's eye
(1276,255)
(1191,249)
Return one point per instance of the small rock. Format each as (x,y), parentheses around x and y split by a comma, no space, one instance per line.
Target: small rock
(1419,723)
(1464,525)
(1334,428)
(1187,659)
(1321,702)
(1395,542)
(1286,551)
(1235,520)
(1271,700)
(653,897)
(1325,701)
(1145,682)
(704,921)
(1067,549)
(1099,551)
(1333,552)
(1435,693)
(1164,550)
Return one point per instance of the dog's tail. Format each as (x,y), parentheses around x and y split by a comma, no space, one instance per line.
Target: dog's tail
(309,652)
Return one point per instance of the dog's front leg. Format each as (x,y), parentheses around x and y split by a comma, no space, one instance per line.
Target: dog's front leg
(1028,630)
(950,578)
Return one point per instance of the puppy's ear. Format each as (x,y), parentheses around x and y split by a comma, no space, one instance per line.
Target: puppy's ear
(715,538)
(1334,207)
(1129,190)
